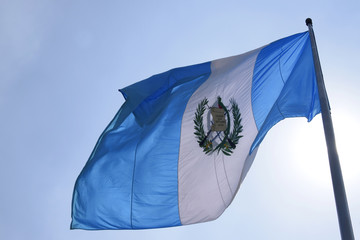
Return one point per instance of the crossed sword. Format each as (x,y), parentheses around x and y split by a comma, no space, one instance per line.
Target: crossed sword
(217,135)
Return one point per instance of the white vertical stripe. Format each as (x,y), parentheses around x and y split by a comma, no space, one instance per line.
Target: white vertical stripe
(208,183)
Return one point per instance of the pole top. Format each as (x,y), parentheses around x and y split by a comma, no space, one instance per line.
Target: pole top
(308,22)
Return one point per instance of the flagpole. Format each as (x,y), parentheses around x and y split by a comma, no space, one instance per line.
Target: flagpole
(336,175)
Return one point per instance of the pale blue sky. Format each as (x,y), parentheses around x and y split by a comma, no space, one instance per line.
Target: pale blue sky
(61,63)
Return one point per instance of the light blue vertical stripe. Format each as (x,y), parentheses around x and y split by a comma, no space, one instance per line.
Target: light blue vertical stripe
(130,179)
(284,83)
(102,194)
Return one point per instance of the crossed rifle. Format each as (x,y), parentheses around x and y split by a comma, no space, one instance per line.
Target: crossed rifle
(217,136)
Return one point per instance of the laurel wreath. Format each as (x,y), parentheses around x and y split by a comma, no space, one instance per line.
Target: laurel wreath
(230,139)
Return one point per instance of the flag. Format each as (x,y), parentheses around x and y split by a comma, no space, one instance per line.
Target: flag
(179,147)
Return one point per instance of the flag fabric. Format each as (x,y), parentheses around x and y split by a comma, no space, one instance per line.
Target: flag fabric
(181,144)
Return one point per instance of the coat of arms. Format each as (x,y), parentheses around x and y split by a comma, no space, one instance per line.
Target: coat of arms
(223,131)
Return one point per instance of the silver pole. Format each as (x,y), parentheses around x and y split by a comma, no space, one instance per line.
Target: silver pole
(336,175)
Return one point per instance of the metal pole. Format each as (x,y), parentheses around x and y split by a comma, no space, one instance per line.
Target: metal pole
(336,175)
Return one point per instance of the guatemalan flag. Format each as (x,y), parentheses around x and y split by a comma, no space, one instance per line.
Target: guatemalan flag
(181,144)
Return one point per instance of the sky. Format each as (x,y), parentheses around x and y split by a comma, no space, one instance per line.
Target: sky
(62,63)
